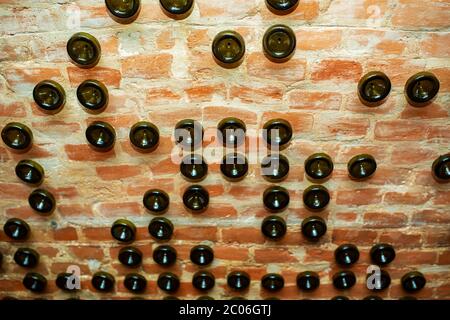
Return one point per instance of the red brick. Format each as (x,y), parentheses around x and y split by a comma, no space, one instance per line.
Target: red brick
(47,251)
(444,258)
(435,45)
(162,95)
(433,111)
(312,40)
(74,210)
(200,233)
(121,209)
(12,109)
(442,197)
(358,236)
(436,237)
(384,220)
(87,252)
(410,155)
(205,92)
(65,234)
(31,76)
(442,292)
(11,285)
(349,217)
(415,257)
(252,94)
(197,38)
(231,253)
(300,122)
(358,196)
(416,14)
(155,66)
(278,255)
(336,70)
(97,234)
(389,175)
(314,255)
(117,172)
(401,130)
(431,217)
(108,76)
(407,198)
(342,128)
(165,40)
(317,100)
(260,67)
(82,152)
(13,191)
(242,235)
(401,239)
(220,210)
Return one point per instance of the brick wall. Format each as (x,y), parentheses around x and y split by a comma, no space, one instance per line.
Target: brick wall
(162,70)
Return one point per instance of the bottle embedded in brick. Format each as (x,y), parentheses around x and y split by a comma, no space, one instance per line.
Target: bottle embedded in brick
(440,168)
(421,89)
(144,137)
(202,255)
(238,280)
(308,280)
(93,96)
(123,11)
(318,167)
(161,229)
(103,281)
(123,230)
(101,136)
(130,256)
(26,257)
(274,227)
(316,197)
(18,137)
(30,172)
(156,201)
(272,282)
(279,43)
(275,167)
(35,282)
(203,280)
(169,282)
(413,281)
(42,201)
(84,50)
(282,7)
(362,167)
(49,96)
(196,199)
(276,199)
(135,282)
(231,131)
(165,255)
(177,9)
(374,88)
(228,49)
